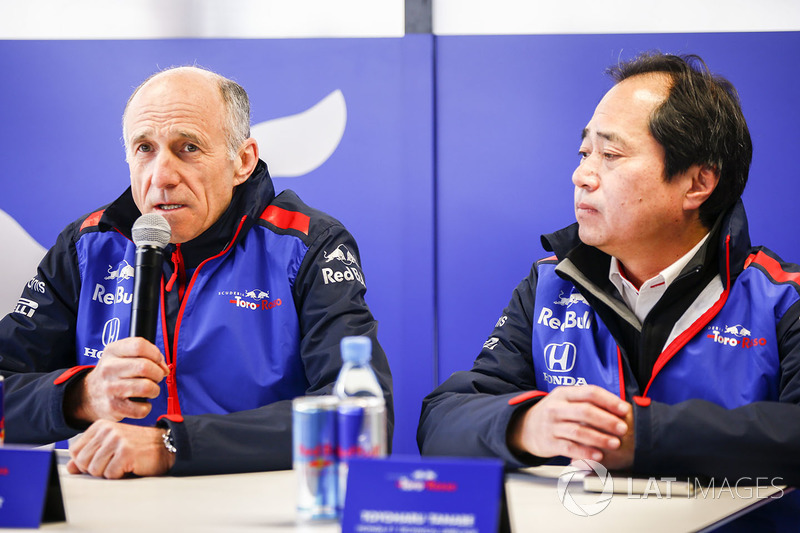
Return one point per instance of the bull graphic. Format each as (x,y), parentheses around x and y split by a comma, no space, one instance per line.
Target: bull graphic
(738,330)
(573,298)
(256,294)
(124,271)
(342,254)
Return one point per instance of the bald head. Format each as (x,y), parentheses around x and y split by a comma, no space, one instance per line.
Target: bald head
(217,89)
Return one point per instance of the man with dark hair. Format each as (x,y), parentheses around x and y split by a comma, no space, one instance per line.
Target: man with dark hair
(247,318)
(656,339)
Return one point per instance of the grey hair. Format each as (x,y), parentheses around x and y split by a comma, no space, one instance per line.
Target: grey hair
(237,110)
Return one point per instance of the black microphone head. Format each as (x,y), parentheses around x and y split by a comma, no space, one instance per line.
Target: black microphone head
(151,230)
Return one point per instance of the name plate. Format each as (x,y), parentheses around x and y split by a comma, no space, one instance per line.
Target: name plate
(427,495)
(30,492)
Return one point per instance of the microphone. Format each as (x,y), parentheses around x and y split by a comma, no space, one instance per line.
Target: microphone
(151,233)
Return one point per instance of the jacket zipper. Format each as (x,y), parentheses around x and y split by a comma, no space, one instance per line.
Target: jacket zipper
(184,289)
(684,338)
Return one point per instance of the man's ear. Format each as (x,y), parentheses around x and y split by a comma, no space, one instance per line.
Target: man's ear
(704,179)
(246,161)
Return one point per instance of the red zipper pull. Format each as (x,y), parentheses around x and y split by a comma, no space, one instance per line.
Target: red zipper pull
(177,264)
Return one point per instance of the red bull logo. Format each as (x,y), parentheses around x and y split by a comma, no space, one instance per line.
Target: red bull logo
(572,298)
(124,271)
(110,298)
(319,456)
(351,270)
(360,451)
(336,276)
(570,320)
(342,254)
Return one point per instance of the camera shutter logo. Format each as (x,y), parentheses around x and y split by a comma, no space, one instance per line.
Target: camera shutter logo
(560,357)
(584,509)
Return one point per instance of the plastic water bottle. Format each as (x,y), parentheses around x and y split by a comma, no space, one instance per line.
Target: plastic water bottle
(356,378)
(361,414)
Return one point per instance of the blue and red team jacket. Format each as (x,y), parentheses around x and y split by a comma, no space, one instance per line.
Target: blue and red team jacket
(251,316)
(713,372)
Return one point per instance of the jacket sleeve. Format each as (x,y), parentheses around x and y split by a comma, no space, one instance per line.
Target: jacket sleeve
(261,439)
(469,414)
(761,439)
(37,347)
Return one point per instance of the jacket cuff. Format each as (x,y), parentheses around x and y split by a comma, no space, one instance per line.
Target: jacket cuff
(519,405)
(180,435)
(61,384)
(68,376)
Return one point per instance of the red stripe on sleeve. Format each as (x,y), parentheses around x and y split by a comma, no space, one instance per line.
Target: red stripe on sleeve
(773,268)
(286,219)
(92,220)
(69,373)
(516,400)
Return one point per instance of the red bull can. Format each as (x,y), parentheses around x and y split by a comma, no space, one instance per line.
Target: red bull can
(314,456)
(361,425)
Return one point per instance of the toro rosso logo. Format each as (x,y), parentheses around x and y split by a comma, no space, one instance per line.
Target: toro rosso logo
(736,336)
(424,480)
(253,300)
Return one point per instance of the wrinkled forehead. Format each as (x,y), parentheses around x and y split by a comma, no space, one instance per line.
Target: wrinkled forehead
(174,98)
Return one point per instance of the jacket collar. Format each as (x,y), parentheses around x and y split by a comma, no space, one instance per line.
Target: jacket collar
(732,224)
(248,202)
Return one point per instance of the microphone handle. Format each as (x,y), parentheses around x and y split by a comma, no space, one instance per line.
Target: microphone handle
(146,287)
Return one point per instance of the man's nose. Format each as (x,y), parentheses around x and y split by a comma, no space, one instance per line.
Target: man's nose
(585,176)
(165,172)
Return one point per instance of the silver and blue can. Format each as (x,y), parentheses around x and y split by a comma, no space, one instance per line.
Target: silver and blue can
(314,456)
(361,430)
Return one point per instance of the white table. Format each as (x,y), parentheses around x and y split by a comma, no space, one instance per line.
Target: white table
(534,505)
(265,502)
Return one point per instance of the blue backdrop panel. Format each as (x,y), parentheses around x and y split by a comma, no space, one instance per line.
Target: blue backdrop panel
(510,110)
(61,154)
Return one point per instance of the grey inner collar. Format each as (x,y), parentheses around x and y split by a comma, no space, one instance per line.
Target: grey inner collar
(568,268)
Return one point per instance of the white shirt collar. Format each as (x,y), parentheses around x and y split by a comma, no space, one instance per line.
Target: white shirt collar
(641,301)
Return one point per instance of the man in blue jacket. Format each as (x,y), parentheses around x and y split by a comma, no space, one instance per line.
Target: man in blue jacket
(656,339)
(256,293)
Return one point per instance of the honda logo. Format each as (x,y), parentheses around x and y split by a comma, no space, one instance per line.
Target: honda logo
(560,357)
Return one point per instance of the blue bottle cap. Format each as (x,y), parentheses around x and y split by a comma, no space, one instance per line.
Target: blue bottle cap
(356,349)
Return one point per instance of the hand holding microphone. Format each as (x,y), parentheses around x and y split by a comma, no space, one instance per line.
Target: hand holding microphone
(130,370)
(151,233)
